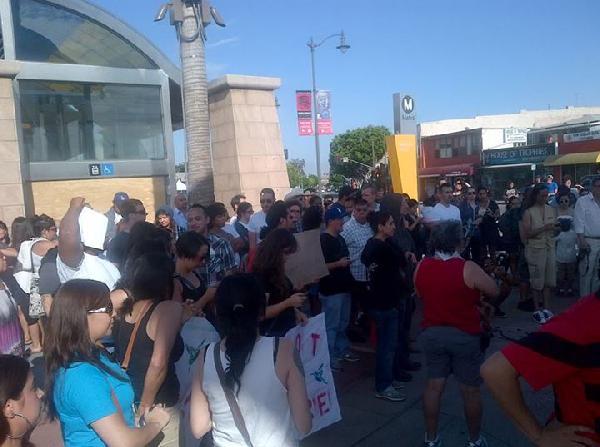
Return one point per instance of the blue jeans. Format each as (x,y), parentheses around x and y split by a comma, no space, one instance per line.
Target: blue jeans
(337,318)
(386,323)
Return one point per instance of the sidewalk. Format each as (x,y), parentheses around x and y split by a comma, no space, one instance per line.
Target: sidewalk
(371,422)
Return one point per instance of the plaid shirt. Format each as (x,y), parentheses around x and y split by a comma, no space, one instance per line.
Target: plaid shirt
(356,236)
(222,260)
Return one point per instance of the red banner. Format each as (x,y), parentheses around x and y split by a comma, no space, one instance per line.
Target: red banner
(324,124)
(304,110)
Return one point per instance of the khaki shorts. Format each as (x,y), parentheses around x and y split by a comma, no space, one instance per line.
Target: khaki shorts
(542,267)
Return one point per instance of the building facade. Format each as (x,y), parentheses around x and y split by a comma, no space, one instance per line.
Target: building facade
(87,107)
(456,148)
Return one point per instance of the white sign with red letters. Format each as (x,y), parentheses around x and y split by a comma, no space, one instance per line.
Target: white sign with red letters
(311,342)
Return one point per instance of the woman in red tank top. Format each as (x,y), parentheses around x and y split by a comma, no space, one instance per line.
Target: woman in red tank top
(451,290)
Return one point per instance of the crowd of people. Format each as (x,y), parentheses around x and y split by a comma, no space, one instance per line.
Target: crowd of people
(103,298)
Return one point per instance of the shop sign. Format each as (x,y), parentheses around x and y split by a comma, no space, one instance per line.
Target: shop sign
(592,134)
(535,153)
(515,135)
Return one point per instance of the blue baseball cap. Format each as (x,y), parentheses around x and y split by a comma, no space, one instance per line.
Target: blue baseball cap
(120,197)
(336,211)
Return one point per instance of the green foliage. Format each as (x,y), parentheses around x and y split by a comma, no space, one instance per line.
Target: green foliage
(180,167)
(297,176)
(364,145)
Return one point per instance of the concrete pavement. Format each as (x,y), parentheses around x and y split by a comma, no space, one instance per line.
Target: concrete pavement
(371,422)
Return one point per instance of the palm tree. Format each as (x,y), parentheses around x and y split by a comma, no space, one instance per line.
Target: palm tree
(195,108)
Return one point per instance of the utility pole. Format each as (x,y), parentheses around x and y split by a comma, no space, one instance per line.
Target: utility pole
(190,18)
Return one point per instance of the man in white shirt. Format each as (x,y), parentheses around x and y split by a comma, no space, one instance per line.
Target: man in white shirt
(259,219)
(79,247)
(180,205)
(444,210)
(587,227)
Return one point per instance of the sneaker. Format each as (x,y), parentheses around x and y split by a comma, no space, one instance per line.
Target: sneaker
(498,313)
(547,315)
(436,443)
(539,317)
(391,394)
(398,385)
(480,443)
(350,357)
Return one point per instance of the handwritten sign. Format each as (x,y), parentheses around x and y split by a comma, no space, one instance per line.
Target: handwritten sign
(307,264)
(311,342)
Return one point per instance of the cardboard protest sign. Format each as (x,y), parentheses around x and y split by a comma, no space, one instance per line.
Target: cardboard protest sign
(307,264)
(311,342)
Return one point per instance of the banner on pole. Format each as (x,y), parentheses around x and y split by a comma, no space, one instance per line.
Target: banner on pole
(304,110)
(324,125)
(311,342)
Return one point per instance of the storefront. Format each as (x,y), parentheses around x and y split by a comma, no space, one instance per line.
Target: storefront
(516,164)
(576,165)
(431,177)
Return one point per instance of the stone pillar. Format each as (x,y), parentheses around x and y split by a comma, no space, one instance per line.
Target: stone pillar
(246,139)
(12,201)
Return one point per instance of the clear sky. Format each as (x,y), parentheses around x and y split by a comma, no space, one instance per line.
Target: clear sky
(457,58)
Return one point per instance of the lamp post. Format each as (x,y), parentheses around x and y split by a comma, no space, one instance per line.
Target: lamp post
(343,47)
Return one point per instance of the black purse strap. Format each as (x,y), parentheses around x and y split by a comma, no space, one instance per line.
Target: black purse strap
(231,400)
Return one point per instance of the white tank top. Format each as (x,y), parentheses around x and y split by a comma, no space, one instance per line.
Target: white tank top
(262,400)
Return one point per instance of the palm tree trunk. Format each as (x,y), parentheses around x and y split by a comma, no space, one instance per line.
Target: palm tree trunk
(196,116)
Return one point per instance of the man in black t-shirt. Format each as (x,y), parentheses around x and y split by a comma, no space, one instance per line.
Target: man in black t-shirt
(335,288)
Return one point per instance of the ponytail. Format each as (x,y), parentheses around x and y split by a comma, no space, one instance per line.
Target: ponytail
(240,304)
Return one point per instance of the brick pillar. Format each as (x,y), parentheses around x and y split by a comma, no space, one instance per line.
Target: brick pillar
(246,139)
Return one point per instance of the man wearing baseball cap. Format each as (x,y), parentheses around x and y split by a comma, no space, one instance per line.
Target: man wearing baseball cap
(114,214)
(334,289)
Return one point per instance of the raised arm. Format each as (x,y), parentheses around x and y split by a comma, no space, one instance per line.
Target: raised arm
(70,248)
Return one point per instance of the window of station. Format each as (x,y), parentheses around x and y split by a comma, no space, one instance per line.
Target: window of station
(65,121)
(46,32)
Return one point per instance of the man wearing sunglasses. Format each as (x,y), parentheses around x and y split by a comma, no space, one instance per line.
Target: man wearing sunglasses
(259,219)
(587,227)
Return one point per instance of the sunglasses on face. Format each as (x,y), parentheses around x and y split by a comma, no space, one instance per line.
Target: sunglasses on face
(142,212)
(108,309)
(266,201)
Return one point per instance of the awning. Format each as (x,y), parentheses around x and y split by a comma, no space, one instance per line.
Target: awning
(448,170)
(573,159)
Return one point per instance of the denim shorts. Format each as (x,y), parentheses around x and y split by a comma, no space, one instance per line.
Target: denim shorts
(449,350)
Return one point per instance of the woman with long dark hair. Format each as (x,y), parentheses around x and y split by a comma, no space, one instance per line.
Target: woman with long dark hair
(262,377)
(147,340)
(20,401)
(163,219)
(283,304)
(538,230)
(89,393)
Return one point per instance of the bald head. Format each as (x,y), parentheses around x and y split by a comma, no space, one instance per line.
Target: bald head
(180,202)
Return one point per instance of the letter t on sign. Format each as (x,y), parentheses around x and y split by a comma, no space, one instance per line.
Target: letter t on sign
(315,339)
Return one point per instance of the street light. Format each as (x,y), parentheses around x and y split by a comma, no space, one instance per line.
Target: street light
(342,47)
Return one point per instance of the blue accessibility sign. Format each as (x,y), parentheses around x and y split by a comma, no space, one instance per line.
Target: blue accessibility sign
(108,169)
